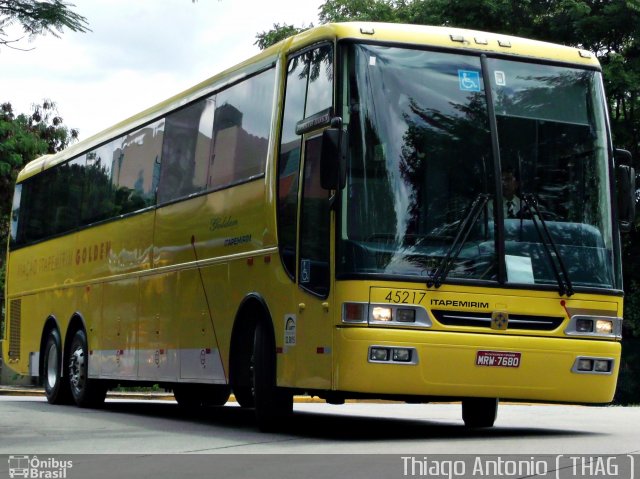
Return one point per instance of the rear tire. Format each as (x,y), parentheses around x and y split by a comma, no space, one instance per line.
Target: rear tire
(86,392)
(56,385)
(479,412)
(201,395)
(272,404)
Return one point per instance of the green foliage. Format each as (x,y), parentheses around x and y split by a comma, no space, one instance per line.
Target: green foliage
(23,138)
(628,391)
(39,18)
(365,10)
(277,33)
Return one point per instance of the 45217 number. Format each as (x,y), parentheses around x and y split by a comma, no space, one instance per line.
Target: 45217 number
(405,296)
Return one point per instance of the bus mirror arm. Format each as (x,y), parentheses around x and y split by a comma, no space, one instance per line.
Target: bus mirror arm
(333,171)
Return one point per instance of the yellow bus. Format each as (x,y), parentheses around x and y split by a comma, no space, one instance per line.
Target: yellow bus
(363,210)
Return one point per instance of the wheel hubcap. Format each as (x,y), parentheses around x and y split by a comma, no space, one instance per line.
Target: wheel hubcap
(77,369)
(52,366)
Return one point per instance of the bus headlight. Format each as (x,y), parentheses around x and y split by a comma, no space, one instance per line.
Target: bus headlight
(400,315)
(388,315)
(584,325)
(604,326)
(595,326)
(380,313)
(406,315)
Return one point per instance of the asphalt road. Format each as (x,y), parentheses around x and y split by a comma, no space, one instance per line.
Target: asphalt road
(361,439)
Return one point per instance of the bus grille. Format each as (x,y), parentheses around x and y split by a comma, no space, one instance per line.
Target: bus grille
(483,320)
(14,328)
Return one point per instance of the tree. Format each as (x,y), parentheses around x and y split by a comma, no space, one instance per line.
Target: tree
(38,18)
(277,33)
(23,138)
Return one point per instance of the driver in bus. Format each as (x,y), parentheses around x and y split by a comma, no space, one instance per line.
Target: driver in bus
(511,202)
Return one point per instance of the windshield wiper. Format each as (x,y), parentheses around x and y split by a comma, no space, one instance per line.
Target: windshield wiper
(564,285)
(461,237)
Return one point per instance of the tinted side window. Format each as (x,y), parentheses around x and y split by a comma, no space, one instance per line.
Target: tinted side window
(314,224)
(241,127)
(15,227)
(99,196)
(289,161)
(66,189)
(309,90)
(136,168)
(34,209)
(186,151)
(320,91)
(49,203)
(117,178)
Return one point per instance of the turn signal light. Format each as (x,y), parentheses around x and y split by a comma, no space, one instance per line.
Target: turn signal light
(354,313)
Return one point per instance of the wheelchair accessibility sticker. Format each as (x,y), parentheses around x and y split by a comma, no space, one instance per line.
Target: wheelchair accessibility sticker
(469,80)
(305,271)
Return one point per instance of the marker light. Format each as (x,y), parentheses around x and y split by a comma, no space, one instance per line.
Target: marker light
(381,314)
(604,326)
(584,325)
(379,354)
(405,315)
(402,354)
(602,365)
(585,365)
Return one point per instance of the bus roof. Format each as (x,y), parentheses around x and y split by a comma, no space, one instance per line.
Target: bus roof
(390,33)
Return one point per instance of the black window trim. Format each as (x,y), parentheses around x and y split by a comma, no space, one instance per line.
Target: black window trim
(288,56)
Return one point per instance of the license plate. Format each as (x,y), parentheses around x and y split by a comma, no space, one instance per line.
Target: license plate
(500,359)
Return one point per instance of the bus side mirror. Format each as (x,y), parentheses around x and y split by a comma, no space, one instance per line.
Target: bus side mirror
(626,186)
(622,157)
(333,167)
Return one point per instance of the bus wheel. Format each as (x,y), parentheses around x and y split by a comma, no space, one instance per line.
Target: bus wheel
(200,395)
(479,412)
(86,392)
(244,396)
(241,379)
(56,386)
(272,404)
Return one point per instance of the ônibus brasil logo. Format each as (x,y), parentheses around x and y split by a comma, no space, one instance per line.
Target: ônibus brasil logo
(32,467)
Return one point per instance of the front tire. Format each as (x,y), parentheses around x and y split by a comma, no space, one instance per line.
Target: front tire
(272,404)
(86,392)
(56,385)
(479,412)
(242,368)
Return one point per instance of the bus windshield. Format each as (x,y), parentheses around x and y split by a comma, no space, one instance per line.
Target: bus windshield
(420,156)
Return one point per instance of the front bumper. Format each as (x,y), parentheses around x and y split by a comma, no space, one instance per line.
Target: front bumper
(446,366)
